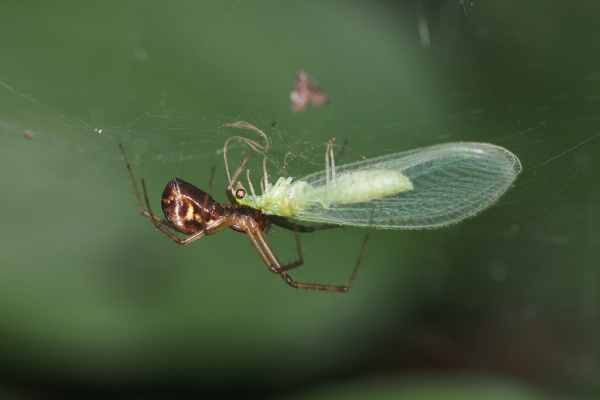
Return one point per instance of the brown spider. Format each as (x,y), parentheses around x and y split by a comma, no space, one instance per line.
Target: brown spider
(195,213)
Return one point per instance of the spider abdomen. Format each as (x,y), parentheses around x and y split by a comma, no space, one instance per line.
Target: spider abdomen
(184,206)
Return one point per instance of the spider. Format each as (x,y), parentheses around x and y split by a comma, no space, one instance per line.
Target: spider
(195,213)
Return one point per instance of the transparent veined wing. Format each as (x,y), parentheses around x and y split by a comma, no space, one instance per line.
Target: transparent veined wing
(450,181)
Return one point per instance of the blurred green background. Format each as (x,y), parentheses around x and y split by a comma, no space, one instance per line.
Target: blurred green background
(94,301)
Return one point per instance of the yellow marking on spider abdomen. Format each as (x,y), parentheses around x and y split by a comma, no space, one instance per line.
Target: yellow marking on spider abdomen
(189,216)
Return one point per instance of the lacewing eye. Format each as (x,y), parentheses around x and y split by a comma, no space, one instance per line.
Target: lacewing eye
(240,193)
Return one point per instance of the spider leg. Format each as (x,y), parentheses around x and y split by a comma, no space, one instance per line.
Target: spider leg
(137,193)
(300,259)
(217,226)
(287,224)
(265,251)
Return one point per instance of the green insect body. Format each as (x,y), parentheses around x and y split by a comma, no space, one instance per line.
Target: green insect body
(424,188)
(285,198)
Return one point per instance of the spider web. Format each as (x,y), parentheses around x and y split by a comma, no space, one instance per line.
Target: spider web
(172,109)
(162,84)
(83,77)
